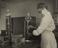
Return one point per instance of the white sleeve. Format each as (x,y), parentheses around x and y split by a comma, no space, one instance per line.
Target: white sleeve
(46,20)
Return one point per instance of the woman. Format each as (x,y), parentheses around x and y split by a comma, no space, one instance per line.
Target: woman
(46,28)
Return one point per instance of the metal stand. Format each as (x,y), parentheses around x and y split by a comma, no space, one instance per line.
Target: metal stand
(26,24)
(8,28)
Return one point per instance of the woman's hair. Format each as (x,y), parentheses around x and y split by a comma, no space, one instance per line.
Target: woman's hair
(41,5)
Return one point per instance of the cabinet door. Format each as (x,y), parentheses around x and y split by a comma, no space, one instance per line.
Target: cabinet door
(18,25)
(56,19)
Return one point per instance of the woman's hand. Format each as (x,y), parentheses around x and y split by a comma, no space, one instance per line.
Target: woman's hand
(35,33)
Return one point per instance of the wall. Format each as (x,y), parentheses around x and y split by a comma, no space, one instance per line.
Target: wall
(19,9)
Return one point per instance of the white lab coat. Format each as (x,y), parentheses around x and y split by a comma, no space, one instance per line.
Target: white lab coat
(45,29)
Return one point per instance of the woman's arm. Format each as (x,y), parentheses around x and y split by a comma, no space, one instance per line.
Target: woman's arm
(46,20)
